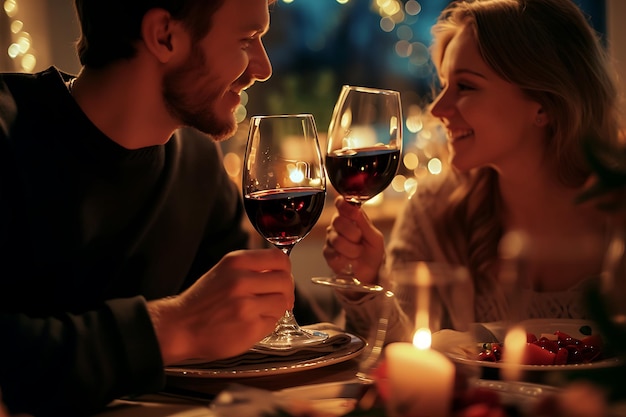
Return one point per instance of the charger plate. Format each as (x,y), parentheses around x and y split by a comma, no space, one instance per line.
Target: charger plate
(283,365)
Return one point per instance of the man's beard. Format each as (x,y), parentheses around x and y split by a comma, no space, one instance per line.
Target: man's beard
(191,101)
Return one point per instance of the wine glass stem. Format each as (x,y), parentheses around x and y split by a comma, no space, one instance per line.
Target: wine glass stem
(287,320)
(347,270)
(287,332)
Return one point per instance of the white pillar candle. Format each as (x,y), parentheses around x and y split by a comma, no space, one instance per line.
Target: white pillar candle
(421,381)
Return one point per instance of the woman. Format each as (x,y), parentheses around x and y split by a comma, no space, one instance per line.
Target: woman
(523,83)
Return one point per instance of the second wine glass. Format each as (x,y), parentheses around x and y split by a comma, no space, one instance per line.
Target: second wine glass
(363,152)
(284,189)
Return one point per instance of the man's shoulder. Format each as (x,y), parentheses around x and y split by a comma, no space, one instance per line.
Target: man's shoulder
(31,103)
(29,90)
(7,110)
(15,80)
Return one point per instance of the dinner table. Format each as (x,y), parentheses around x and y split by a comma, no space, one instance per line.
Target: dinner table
(328,391)
(213,397)
(332,390)
(331,375)
(346,379)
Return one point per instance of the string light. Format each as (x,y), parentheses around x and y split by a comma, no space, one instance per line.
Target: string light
(338,1)
(21,49)
(425,152)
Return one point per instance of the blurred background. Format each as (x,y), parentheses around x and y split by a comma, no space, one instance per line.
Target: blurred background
(315,47)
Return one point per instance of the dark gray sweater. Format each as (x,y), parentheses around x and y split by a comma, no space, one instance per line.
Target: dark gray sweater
(88,232)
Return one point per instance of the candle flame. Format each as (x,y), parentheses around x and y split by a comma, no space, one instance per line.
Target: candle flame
(515,341)
(422,339)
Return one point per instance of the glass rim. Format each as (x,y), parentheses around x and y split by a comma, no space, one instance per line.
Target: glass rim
(369,89)
(277,116)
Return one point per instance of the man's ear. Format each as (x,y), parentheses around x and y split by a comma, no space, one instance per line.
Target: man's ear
(163,36)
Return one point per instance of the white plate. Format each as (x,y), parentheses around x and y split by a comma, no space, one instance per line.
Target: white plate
(332,398)
(538,327)
(521,395)
(348,351)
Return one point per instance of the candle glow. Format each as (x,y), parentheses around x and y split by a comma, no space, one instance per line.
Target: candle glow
(295,173)
(421,380)
(422,339)
(515,341)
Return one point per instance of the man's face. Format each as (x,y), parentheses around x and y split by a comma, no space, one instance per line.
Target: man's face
(205,90)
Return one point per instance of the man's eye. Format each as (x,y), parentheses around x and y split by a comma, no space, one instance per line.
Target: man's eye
(247,42)
(464,87)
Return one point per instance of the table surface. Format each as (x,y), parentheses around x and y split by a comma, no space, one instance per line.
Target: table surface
(191,396)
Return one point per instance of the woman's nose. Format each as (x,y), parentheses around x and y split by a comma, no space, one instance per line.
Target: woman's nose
(442,107)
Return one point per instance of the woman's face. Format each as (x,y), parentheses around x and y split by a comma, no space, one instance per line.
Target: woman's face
(490,122)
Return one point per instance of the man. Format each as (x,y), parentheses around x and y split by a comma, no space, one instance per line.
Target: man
(110,218)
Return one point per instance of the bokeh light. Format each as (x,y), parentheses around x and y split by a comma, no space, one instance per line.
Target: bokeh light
(21,50)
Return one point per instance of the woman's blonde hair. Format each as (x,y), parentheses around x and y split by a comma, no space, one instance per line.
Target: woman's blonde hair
(548,49)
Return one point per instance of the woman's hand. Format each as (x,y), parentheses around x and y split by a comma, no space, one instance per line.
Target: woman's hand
(352,239)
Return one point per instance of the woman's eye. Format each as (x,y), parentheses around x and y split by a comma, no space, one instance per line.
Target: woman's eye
(464,87)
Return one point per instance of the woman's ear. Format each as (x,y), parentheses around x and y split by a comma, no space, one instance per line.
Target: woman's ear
(541,118)
(162,35)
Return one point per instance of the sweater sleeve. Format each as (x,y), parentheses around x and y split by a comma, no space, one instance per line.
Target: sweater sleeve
(414,238)
(408,243)
(75,364)
(363,317)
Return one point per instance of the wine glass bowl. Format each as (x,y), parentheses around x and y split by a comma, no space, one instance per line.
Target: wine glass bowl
(359,176)
(283,217)
(284,189)
(362,155)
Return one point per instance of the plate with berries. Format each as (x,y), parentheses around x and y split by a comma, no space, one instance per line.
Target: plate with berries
(562,344)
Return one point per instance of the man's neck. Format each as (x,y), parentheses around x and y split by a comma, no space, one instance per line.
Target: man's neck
(124,101)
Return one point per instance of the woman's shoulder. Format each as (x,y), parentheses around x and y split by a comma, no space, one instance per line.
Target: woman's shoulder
(429,201)
(435,190)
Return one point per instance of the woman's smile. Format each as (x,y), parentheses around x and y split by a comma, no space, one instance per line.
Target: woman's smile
(459,134)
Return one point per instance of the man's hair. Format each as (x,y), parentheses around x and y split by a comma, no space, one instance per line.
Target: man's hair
(111,28)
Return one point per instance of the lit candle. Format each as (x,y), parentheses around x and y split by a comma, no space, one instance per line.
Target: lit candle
(515,342)
(421,380)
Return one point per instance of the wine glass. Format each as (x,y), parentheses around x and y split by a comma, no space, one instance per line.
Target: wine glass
(284,189)
(362,156)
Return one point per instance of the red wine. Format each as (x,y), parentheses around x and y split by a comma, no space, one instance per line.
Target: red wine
(363,173)
(284,216)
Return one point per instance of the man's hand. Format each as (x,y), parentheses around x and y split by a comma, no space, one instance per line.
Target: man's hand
(228,310)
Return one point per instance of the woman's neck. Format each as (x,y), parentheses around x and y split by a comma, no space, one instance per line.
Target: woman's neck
(566,242)
(537,200)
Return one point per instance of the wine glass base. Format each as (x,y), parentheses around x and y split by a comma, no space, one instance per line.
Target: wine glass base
(291,339)
(348,283)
